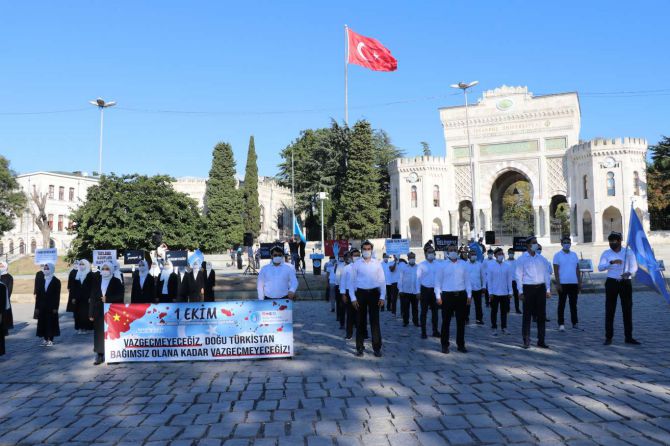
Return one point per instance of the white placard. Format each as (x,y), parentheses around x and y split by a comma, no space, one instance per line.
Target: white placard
(101,256)
(397,246)
(46,255)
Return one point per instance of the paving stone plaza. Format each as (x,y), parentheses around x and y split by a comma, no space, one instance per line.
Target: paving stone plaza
(579,392)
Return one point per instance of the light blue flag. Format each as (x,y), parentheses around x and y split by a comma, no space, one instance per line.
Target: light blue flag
(298,230)
(648,272)
(196,256)
(474,246)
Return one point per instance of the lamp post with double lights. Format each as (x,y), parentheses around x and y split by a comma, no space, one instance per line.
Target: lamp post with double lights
(102,105)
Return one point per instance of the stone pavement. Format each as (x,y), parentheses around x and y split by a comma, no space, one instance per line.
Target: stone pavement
(579,392)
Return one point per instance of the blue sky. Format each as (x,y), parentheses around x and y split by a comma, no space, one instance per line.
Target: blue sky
(272,69)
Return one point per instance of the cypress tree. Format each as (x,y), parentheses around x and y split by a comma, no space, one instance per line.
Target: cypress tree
(358,212)
(223,203)
(252,210)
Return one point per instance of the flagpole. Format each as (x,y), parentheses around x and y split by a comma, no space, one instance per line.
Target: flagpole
(346,63)
(292,193)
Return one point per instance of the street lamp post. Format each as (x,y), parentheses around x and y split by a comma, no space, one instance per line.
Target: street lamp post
(464,86)
(102,105)
(322,197)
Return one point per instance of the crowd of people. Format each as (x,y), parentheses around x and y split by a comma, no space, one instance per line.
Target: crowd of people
(360,287)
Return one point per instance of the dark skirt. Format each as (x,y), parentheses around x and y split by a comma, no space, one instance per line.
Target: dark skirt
(99,335)
(47,325)
(81,320)
(7,321)
(2,338)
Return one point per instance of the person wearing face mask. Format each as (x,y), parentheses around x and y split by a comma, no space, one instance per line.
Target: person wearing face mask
(350,315)
(331,275)
(276,280)
(367,291)
(533,274)
(512,263)
(117,272)
(182,284)
(499,277)
(568,282)
(144,288)
(37,284)
(339,303)
(81,294)
(167,284)
(477,281)
(408,286)
(539,253)
(196,283)
(48,300)
(489,260)
(390,267)
(453,293)
(8,280)
(425,275)
(210,280)
(107,289)
(71,279)
(620,265)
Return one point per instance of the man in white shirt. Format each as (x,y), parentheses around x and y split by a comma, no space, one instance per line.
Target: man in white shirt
(533,275)
(568,282)
(499,278)
(331,272)
(350,314)
(515,289)
(453,293)
(390,267)
(477,281)
(425,274)
(485,264)
(276,280)
(620,265)
(340,307)
(367,290)
(408,286)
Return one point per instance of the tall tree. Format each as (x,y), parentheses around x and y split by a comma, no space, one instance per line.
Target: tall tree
(223,203)
(425,148)
(122,212)
(385,152)
(358,214)
(39,212)
(12,200)
(252,210)
(658,184)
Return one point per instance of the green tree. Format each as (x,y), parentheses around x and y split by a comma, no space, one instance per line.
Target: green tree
(252,210)
(658,184)
(358,214)
(122,212)
(223,203)
(425,148)
(518,209)
(12,200)
(385,152)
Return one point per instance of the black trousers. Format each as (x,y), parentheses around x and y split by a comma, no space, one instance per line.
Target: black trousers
(368,304)
(515,292)
(486,297)
(392,297)
(339,306)
(623,289)
(568,291)
(453,304)
(477,299)
(534,304)
(428,301)
(503,303)
(350,317)
(408,300)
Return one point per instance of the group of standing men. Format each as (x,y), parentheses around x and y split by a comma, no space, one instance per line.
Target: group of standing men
(361,287)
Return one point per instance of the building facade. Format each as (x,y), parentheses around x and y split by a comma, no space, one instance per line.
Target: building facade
(519,143)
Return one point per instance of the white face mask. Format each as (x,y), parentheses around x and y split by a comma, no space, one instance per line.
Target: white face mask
(47,272)
(430,256)
(533,247)
(511,256)
(3,269)
(106,273)
(566,247)
(412,261)
(490,256)
(367,254)
(453,255)
(473,258)
(354,258)
(276,260)
(500,258)
(82,267)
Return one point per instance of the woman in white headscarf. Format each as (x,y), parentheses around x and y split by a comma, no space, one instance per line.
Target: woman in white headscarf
(167,284)
(47,302)
(81,294)
(117,272)
(108,289)
(8,281)
(196,283)
(144,287)
(71,280)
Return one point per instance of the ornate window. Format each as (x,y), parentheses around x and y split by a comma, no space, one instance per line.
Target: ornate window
(413,197)
(51,191)
(436,196)
(61,193)
(71,197)
(636,183)
(611,184)
(585,181)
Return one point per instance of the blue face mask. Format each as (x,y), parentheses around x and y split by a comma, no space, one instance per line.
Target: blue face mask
(566,246)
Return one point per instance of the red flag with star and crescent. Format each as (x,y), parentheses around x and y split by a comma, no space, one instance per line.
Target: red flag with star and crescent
(120,316)
(370,53)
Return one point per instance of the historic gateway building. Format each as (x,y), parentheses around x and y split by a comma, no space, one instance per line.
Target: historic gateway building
(526,153)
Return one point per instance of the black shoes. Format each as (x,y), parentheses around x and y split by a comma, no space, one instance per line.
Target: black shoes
(462,349)
(332,310)
(480,322)
(405,324)
(526,343)
(436,334)
(359,353)
(445,350)
(378,353)
(518,312)
(632,341)
(99,359)
(542,345)
(348,337)
(607,342)
(424,336)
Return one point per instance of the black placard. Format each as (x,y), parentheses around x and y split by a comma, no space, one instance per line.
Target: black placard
(490,237)
(265,250)
(132,257)
(519,244)
(444,240)
(177,258)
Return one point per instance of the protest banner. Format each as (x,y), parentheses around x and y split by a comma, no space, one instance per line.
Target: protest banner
(444,240)
(397,247)
(101,256)
(177,258)
(199,331)
(46,255)
(132,257)
(265,250)
(335,247)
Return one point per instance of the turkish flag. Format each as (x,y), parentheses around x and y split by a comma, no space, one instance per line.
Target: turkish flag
(120,316)
(368,52)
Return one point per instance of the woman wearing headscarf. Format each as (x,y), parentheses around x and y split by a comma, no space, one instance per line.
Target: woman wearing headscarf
(71,282)
(196,283)
(144,287)
(81,294)
(108,289)
(167,284)
(48,300)
(210,280)
(4,306)
(8,281)
(117,272)
(39,282)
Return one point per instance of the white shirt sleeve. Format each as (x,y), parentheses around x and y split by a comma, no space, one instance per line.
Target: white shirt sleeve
(293,280)
(351,281)
(382,284)
(438,282)
(260,284)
